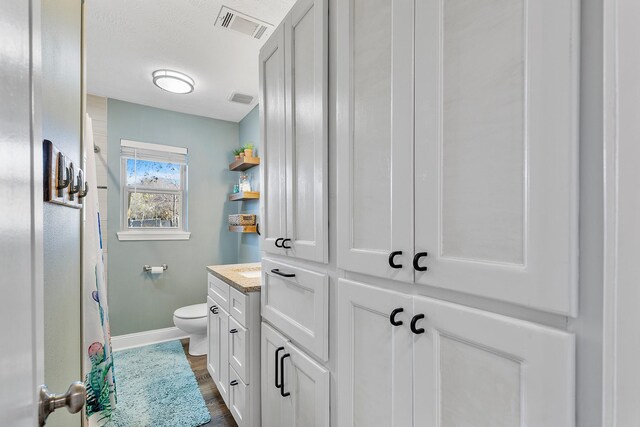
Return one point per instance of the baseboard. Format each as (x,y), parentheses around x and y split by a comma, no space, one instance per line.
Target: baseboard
(139,339)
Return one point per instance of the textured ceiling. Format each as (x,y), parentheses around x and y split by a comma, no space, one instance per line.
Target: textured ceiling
(127,40)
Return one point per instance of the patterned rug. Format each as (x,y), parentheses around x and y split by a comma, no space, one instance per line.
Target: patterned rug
(156,387)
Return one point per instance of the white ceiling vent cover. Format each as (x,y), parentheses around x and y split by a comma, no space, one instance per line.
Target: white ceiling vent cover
(240,98)
(245,24)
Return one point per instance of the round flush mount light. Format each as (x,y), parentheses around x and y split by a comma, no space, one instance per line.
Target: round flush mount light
(173,81)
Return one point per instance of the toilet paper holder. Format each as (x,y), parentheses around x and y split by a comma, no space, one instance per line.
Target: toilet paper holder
(148,267)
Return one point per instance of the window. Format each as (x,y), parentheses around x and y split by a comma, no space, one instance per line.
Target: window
(153,185)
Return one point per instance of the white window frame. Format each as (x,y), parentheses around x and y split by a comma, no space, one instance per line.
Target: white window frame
(128,234)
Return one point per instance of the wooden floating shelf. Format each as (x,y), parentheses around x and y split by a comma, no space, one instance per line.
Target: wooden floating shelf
(244,163)
(243,228)
(246,195)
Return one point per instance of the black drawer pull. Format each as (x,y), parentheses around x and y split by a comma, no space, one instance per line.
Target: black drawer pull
(282,392)
(279,273)
(276,242)
(415,319)
(278,350)
(392,263)
(213,309)
(234,382)
(392,317)
(233,331)
(416,261)
(284,244)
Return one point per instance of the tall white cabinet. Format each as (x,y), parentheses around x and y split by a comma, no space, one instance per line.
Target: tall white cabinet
(294,113)
(293,88)
(456,151)
(457,146)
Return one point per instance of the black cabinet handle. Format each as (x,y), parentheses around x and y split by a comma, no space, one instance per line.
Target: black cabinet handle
(278,350)
(213,309)
(392,317)
(392,263)
(279,273)
(416,261)
(415,319)
(233,331)
(276,242)
(234,382)
(282,392)
(284,244)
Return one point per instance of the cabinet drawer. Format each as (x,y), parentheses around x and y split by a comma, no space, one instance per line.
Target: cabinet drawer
(238,303)
(237,397)
(297,305)
(239,349)
(219,291)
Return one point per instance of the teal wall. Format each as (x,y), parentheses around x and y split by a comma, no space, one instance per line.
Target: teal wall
(138,302)
(249,245)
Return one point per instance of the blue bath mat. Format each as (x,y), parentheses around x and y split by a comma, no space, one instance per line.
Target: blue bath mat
(157,388)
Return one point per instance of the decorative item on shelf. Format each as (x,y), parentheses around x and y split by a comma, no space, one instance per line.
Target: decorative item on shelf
(236,188)
(242,219)
(236,153)
(248,150)
(245,184)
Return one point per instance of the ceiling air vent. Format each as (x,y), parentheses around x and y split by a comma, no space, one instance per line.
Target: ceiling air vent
(245,24)
(240,98)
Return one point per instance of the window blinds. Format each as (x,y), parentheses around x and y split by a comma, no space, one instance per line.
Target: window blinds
(153,152)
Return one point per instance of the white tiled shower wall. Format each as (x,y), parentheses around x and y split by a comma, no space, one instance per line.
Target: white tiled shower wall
(97,110)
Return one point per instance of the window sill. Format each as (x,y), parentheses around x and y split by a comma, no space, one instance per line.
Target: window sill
(152,235)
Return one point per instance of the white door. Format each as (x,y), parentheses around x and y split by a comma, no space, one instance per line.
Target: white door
(213,333)
(306,387)
(21,305)
(272,124)
(474,368)
(374,357)
(375,136)
(272,350)
(306,53)
(496,180)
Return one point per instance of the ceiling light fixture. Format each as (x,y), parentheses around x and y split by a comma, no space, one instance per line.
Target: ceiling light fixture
(173,81)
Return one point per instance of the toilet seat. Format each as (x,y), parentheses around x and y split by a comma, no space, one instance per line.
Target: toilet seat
(196,311)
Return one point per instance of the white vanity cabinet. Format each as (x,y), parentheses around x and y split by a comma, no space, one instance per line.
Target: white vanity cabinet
(234,349)
(409,360)
(293,115)
(457,146)
(295,388)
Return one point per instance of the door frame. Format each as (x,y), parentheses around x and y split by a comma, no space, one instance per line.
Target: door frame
(621,86)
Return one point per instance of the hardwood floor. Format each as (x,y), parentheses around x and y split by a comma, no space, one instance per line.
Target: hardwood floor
(220,415)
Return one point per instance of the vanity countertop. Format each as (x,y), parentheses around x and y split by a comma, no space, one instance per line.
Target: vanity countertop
(232,275)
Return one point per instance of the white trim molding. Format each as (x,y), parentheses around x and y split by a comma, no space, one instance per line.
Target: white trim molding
(621,346)
(139,339)
(153,235)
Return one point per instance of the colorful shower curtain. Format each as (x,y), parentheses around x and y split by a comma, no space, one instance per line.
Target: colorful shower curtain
(98,359)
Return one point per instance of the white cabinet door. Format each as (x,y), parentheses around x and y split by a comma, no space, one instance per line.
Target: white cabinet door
(306,59)
(213,333)
(496,180)
(474,368)
(272,122)
(374,357)
(306,387)
(223,383)
(239,356)
(375,136)
(272,349)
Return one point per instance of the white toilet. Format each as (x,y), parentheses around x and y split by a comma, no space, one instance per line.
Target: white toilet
(193,320)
